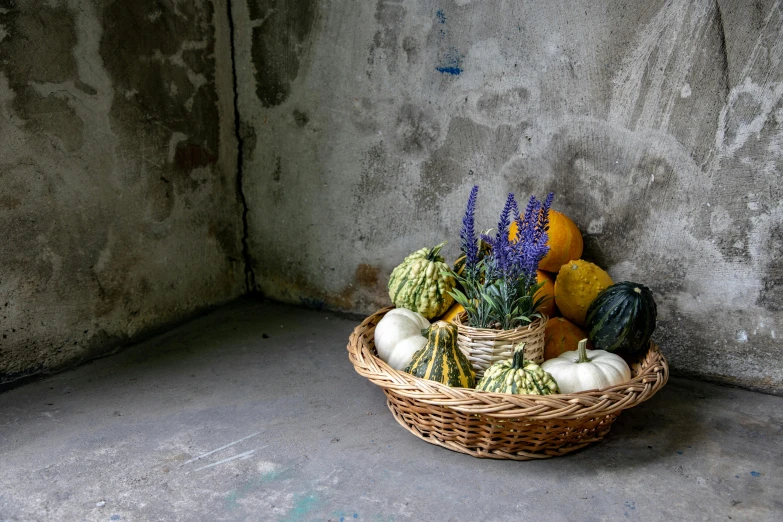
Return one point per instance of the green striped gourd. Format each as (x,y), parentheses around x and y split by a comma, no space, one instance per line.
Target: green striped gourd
(622,318)
(518,376)
(421,283)
(440,360)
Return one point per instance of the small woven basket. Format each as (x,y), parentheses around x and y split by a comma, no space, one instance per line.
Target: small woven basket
(485,346)
(498,425)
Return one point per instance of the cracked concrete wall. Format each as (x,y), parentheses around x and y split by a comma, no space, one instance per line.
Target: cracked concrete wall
(659,126)
(118,202)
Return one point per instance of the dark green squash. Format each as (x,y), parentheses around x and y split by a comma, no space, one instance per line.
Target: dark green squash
(441,360)
(622,318)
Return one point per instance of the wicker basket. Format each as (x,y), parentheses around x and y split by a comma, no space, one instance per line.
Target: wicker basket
(497,425)
(484,346)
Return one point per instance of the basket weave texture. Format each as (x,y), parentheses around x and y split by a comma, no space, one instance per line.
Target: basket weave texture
(484,346)
(498,425)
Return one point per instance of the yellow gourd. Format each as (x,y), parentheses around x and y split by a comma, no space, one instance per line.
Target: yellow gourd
(452,313)
(578,284)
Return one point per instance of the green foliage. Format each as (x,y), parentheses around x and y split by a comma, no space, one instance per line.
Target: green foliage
(496,303)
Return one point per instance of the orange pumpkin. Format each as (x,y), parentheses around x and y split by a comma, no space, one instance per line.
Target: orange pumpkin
(561,335)
(548,290)
(565,241)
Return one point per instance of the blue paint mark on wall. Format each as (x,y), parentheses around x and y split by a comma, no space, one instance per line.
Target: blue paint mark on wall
(441,18)
(755,474)
(449,69)
(450,60)
(450,63)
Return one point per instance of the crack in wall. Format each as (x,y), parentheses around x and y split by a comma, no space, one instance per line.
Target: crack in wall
(723,49)
(250,277)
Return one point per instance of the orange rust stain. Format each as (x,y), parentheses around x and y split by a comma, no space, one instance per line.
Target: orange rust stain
(9,202)
(367,275)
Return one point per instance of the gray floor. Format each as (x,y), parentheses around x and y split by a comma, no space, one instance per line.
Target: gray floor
(254,413)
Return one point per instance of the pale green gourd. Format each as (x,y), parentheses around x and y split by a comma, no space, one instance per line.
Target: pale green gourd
(421,283)
(518,376)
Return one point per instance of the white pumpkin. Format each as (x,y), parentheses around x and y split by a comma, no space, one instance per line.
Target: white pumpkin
(584,369)
(398,336)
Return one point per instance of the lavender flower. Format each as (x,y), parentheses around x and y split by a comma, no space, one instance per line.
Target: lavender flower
(467,234)
(504,222)
(531,211)
(514,211)
(543,218)
(503,262)
(499,289)
(531,241)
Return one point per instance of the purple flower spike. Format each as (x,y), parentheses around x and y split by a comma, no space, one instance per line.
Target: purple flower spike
(467,234)
(543,219)
(504,222)
(498,290)
(530,247)
(504,261)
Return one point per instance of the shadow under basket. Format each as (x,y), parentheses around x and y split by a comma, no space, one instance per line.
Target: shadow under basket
(498,425)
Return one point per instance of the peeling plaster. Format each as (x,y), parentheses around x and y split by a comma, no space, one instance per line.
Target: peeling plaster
(106,237)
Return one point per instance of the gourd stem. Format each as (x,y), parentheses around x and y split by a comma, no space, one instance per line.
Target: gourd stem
(519,357)
(582,349)
(435,251)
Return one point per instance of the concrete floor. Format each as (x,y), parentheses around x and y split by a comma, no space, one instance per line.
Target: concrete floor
(253,412)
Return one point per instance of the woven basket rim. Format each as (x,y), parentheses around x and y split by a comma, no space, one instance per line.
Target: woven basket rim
(533,325)
(652,376)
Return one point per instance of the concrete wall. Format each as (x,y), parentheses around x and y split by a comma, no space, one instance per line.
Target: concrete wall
(659,126)
(118,204)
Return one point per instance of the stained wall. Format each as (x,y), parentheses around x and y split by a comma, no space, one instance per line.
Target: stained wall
(118,191)
(658,125)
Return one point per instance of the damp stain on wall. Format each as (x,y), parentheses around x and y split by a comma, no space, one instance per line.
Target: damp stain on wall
(111,165)
(280,41)
(662,142)
(44,62)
